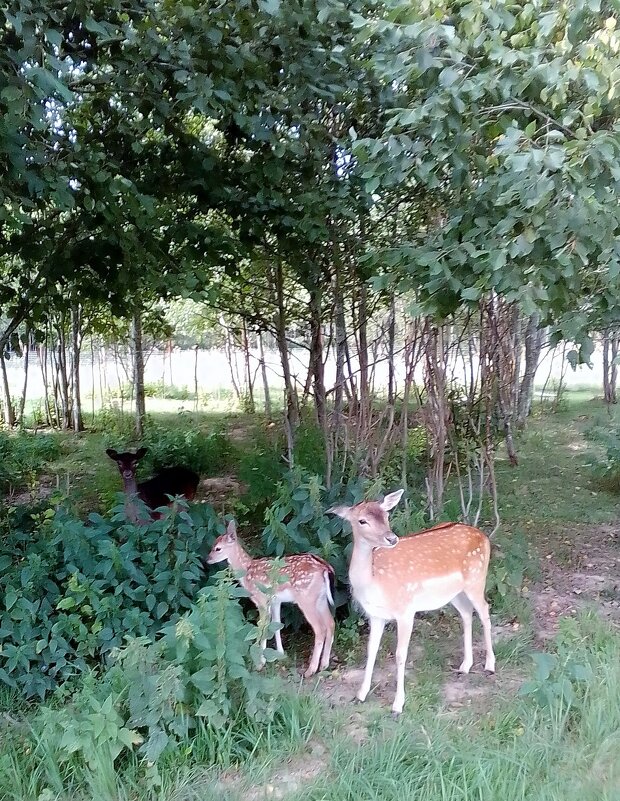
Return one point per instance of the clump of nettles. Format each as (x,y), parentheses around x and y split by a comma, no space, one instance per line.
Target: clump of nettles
(199,675)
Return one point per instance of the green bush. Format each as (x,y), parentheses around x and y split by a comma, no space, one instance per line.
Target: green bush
(296,521)
(200,672)
(157,389)
(23,456)
(73,592)
(261,468)
(607,472)
(208,454)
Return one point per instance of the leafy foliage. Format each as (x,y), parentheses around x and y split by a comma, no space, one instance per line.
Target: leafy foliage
(607,472)
(296,521)
(75,591)
(207,454)
(23,455)
(199,673)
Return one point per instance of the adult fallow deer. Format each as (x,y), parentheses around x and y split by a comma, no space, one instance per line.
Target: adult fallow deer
(394,578)
(155,492)
(303,580)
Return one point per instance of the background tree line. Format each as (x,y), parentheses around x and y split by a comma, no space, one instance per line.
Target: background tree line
(430,185)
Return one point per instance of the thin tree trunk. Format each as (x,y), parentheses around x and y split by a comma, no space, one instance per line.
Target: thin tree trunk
(263,368)
(292,407)
(341,338)
(22,400)
(7,403)
(610,368)
(250,404)
(318,374)
(391,340)
(196,376)
(138,372)
(534,337)
(45,379)
(76,346)
(62,375)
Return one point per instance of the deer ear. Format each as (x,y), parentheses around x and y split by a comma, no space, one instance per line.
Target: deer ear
(141,452)
(231,530)
(341,511)
(112,453)
(390,501)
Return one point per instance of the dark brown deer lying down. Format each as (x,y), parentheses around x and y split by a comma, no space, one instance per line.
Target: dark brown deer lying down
(154,492)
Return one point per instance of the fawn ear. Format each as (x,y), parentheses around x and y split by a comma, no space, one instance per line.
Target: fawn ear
(231,530)
(140,453)
(390,501)
(112,453)
(341,511)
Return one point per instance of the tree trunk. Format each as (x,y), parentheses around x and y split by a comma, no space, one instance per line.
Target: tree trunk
(318,375)
(76,346)
(250,405)
(196,376)
(341,340)
(390,354)
(292,407)
(610,368)
(437,415)
(138,372)
(7,403)
(263,368)
(22,400)
(62,375)
(534,337)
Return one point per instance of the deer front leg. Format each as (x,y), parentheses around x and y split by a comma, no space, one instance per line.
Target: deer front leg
(377,625)
(405,625)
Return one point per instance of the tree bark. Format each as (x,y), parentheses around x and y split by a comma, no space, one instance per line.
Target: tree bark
(7,403)
(249,401)
(138,371)
(291,406)
(22,400)
(610,368)
(534,338)
(263,367)
(76,346)
(318,376)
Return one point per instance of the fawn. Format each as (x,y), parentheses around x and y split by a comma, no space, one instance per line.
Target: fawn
(155,491)
(304,581)
(394,578)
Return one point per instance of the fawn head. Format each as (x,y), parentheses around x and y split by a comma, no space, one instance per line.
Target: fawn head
(224,545)
(126,462)
(369,520)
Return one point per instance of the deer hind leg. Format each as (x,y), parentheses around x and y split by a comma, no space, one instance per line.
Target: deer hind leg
(482,608)
(315,619)
(465,608)
(377,625)
(404,627)
(275,618)
(329,626)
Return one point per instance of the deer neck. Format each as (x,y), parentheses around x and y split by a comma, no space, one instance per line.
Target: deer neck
(130,486)
(131,491)
(240,559)
(360,568)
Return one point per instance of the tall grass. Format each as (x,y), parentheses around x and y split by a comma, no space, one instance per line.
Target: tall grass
(519,752)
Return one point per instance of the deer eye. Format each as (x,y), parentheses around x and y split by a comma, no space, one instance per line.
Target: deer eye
(363,522)
(218,548)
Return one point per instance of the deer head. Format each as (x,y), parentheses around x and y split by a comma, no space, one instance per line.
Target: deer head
(226,546)
(369,520)
(127,462)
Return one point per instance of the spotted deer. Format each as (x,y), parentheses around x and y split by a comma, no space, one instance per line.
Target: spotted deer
(154,492)
(304,580)
(394,578)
